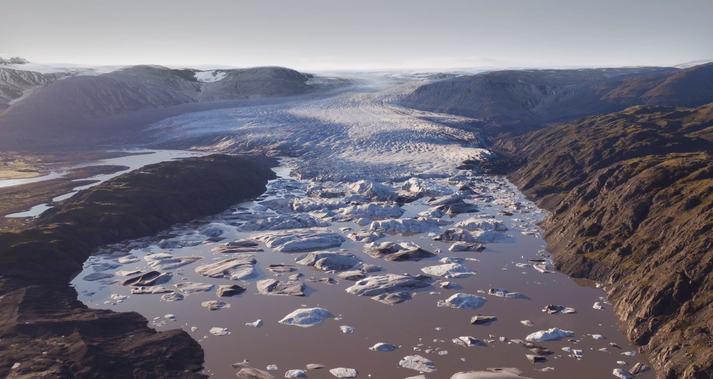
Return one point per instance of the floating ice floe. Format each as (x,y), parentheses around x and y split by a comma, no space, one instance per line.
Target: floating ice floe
(128,259)
(171,297)
(629,353)
(432,213)
(554,309)
(150,290)
(619,373)
(228,290)
(238,268)
(467,341)
(305,317)
(372,210)
(217,331)
(253,373)
(482,319)
(271,368)
(192,287)
(374,191)
(465,246)
(500,292)
(343,372)
(479,236)
(549,335)
(308,204)
(527,323)
(301,240)
(381,346)
(278,288)
(487,375)
(462,301)
(280,268)
(481,224)
(281,222)
(237,246)
(408,225)
(379,284)
(351,275)
(166,261)
(329,260)
(393,298)
(597,336)
(214,305)
(427,187)
(346,329)
(255,324)
(397,251)
(295,373)
(148,279)
(598,306)
(418,363)
(449,270)
(365,236)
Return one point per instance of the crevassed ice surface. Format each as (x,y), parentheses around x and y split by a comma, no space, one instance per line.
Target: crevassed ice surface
(513,267)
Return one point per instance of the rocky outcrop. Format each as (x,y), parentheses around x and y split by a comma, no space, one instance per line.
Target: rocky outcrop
(631,196)
(43,326)
(14,84)
(511,102)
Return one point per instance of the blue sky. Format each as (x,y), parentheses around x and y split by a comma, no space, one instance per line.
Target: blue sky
(363,34)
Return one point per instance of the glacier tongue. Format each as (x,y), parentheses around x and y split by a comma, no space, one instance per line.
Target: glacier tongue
(351,133)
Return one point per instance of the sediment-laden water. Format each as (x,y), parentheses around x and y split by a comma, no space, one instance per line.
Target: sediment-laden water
(498,216)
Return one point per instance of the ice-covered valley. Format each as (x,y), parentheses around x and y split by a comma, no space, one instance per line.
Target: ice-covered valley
(371,255)
(357,131)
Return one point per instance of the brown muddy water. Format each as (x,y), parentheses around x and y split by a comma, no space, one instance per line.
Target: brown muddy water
(416,325)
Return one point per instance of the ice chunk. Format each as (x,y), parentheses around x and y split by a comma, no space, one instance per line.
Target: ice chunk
(427,187)
(364,236)
(387,283)
(305,317)
(549,335)
(217,331)
(191,287)
(418,363)
(467,341)
(150,278)
(173,296)
(295,374)
(482,224)
(346,329)
(166,261)
(214,305)
(329,260)
(619,373)
(480,236)
(276,287)
(465,246)
(372,210)
(343,372)
(464,301)
(393,298)
(499,292)
(397,251)
(381,346)
(481,319)
(408,225)
(487,375)
(373,190)
(255,324)
(301,240)
(450,270)
(228,290)
(238,268)
(281,222)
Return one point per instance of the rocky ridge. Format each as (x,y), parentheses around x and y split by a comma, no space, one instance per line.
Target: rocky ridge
(631,195)
(46,332)
(511,102)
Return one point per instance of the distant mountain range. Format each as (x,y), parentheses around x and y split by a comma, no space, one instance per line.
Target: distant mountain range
(513,102)
(84,109)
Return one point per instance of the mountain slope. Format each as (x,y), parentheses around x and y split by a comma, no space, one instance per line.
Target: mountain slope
(512,102)
(79,109)
(631,196)
(14,84)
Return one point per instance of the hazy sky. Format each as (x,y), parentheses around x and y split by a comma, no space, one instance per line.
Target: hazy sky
(366,34)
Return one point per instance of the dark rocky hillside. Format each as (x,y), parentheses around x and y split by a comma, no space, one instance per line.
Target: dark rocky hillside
(631,196)
(51,334)
(15,84)
(87,110)
(513,102)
